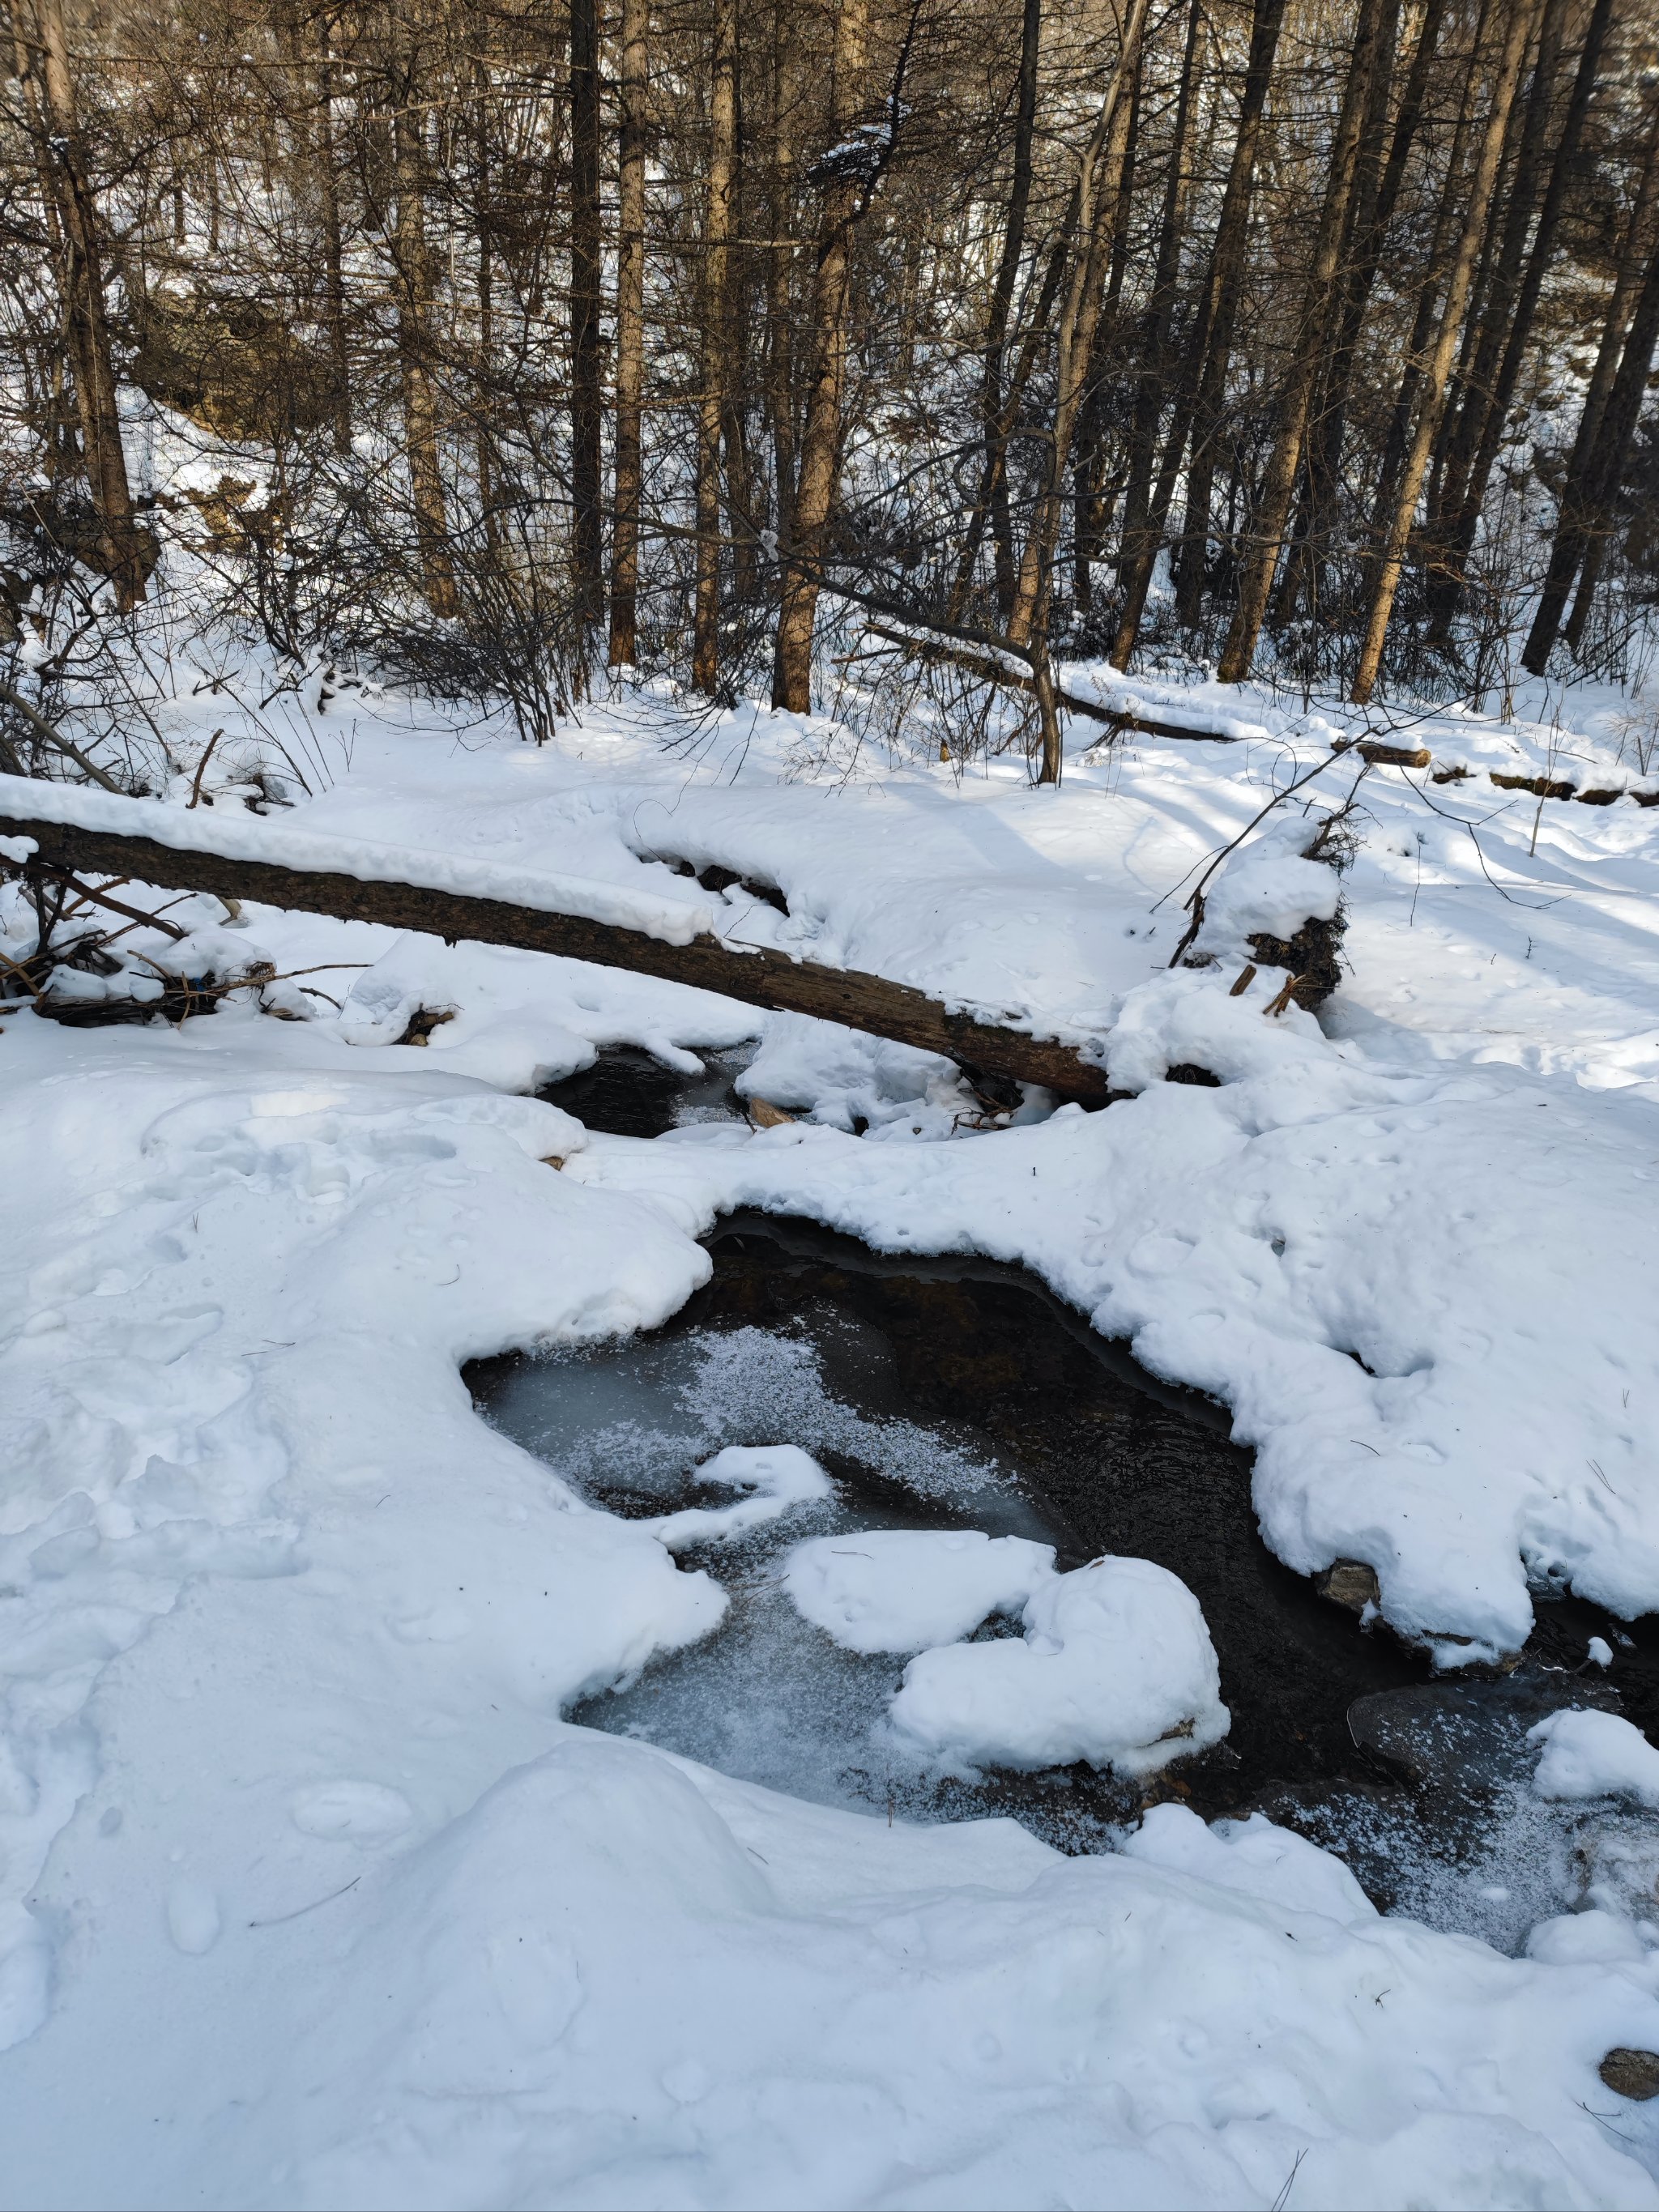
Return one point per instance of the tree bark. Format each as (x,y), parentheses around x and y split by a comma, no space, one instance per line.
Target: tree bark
(1532,285)
(1484,402)
(414,289)
(127,551)
(1274,508)
(820,453)
(994,428)
(1432,392)
(587,537)
(779,327)
(715,290)
(630,336)
(1372,216)
(1141,531)
(1099,185)
(1197,412)
(1612,446)
(1567,550)
(1322,458)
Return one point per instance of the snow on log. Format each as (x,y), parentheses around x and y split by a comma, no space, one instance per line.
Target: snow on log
(77,830)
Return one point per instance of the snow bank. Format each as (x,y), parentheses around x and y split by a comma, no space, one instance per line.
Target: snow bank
(619,1979)
(901,1590)
(1595,1754)
(1116,1667)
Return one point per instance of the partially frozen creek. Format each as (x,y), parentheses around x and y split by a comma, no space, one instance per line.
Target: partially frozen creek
(959,1394)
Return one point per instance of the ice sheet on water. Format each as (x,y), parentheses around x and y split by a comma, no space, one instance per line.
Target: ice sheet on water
(769,1698)
(626,1426)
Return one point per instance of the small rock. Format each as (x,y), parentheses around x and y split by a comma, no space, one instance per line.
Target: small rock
(1349,1583)
(1633,2074)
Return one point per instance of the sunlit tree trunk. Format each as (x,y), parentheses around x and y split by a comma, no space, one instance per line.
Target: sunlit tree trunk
(716,320)
(820,452)
(630,338)
(1273,507)
(1433,390)
(81,286)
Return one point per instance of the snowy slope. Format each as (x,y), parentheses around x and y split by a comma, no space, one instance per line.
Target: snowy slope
(311,1896)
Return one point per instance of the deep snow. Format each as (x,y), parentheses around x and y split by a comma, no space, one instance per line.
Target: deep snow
(311,1896)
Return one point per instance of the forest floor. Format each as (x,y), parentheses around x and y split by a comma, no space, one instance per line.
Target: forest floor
(310,1896)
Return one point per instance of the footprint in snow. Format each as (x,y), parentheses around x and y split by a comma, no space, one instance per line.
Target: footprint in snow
(350,1812)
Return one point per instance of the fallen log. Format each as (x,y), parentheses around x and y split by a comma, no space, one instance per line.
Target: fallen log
(760,977)
(933,650)
(986,665)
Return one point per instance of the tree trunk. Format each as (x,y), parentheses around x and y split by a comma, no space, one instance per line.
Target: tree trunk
(1568,548)
(716,348)
(587,537)
(1139,543)
(1099,185)
(1612,446)
(1322,458)
(994,430)
(1496,412)
(414,289)
(126,550)
(780,330)
(1327,433)
(1431,395)
(630,336)
(1197,414)
(1273,507)
(820,455)
(334,291)
(1463,433)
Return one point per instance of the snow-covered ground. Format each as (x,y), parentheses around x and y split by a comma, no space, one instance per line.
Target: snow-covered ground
(310,1897)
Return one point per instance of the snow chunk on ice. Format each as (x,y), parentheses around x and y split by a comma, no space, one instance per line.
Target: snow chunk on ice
(1116,1667)
(902,1590)
(1594,1938)
(777,1477)
(1593,1754)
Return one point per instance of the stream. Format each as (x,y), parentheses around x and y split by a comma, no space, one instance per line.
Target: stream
(962,1394)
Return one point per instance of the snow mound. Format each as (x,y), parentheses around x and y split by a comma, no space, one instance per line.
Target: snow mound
(777,1476)
(902,1590)
(1254,1857)
(1592,1754)
(1190,1018)
(1116,1667)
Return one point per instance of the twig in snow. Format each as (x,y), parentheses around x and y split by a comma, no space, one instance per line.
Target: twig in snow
(115,905)
(43,728)
(277,1919)
(201,766)
(1284,2196)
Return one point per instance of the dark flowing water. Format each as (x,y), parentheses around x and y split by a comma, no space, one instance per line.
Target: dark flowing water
(959,1393)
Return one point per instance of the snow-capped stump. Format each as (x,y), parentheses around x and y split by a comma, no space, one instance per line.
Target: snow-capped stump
(1278,902)
(904,1589)
(1632,2074)
(1116,1669)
